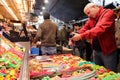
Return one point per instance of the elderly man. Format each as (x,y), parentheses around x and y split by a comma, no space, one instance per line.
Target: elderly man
(100,29)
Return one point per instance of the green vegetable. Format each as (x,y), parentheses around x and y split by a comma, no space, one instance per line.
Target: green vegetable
(46,78)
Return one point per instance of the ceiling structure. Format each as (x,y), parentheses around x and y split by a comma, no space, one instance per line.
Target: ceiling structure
(15,9)
(65,10)
(69,10)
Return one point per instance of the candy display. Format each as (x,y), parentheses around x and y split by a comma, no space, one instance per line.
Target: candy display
(34,66)
(11,57)
(112,77)
(69,67)
(53,67)
(64,66)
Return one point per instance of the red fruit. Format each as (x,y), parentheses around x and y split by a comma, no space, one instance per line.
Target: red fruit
(118,79)
(66,76)
(97,72)
(101,70)
(14,62)
(3,71)
(12,79)
(1,52)
(87,71)
(108,70)
(92,78)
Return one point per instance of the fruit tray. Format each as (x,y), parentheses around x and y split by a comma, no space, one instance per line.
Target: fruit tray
(112,77)
(86,76)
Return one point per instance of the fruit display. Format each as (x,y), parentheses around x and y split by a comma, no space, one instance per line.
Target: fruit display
(68,62)
(65,66)
(102,72)
(112,77)
(81,74)
(11,57)
(54,67)
(34,66)
(5,44)
(38,68)
(69,67)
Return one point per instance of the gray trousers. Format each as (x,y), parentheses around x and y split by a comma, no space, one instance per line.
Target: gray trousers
(48,50)
(109,62)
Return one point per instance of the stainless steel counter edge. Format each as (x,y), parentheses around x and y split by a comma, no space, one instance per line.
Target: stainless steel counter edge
(24,72)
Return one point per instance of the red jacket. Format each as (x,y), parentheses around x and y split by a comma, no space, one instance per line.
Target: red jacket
(103,26)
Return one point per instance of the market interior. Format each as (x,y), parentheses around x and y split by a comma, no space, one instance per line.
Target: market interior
(21,19)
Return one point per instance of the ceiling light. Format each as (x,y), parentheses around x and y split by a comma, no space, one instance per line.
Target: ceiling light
(41,13)
(46,1)
(43,8)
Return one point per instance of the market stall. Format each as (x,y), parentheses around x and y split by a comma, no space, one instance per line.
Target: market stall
(68,67)
(11,59)
(16,64)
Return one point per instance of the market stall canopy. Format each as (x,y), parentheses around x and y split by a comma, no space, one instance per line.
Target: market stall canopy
(15,9)
(65,10)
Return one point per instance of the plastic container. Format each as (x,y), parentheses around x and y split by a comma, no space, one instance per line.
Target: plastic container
(35,51)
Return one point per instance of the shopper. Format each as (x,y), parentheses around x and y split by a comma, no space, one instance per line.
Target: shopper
(47,33)
(63,36)
(88,50)
(80,45)
(100,29)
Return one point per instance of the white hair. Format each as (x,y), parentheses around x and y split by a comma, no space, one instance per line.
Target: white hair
(89,5)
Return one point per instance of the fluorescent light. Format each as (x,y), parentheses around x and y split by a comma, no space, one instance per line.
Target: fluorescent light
(41,13)
(8,9)
(46,1)
(43,8)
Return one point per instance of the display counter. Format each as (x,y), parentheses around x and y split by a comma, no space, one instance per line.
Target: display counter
(54,67)
(67,67)
(13,61)
(24,72)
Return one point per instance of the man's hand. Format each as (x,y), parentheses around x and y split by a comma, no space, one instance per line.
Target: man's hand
(76,37)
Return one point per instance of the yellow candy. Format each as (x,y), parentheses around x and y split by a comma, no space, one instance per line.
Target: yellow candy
(75,73)
(7,71)
(8,76)
(12,72)
(1,78)
(101,76)
(13,77)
